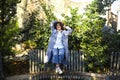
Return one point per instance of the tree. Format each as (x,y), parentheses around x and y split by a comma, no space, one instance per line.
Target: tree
(96,58)
(74,21)
(36,31)
(8,28)
(88,36)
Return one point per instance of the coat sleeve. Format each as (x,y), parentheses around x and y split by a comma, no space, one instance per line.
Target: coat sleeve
(52,25)
(68,31)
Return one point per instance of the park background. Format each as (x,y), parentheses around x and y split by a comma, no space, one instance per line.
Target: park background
(24,25)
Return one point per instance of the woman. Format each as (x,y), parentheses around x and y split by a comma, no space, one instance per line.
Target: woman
(57,51)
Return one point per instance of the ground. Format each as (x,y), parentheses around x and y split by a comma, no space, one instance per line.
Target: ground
(12,67)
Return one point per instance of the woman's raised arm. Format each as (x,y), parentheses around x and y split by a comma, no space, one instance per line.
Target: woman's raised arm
(68,31)
(52,25)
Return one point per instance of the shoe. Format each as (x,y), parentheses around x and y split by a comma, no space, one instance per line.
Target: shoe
(58,70)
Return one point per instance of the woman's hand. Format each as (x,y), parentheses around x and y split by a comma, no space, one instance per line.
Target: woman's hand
(65,26)
(52,23)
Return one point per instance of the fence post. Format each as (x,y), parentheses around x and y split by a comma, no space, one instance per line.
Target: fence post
(115,65)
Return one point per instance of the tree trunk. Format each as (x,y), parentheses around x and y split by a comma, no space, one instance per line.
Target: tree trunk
(21,10)
(1,68)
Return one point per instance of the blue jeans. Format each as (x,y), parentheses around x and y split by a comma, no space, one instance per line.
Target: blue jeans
(58,55)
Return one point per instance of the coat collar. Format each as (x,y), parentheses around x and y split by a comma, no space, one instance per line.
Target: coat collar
(55,31)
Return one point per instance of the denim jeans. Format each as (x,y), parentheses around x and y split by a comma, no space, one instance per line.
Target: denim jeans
(58,55)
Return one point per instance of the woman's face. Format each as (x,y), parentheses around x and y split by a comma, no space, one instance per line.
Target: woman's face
(58,27)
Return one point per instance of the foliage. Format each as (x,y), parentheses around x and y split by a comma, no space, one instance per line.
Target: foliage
(88,36)
(36,31)
(96,44)
(7,11)
(48,11)
(92,45)
(74,21)
(112,40)
(8,39)
(8,25)
(98,6)
(8,29)
(95,58)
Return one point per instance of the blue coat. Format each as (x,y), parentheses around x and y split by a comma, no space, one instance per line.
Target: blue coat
(52,41)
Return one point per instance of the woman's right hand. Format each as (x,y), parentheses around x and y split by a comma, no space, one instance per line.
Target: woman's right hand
(52,23)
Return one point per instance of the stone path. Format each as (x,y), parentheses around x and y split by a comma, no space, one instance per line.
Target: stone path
(19,77)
